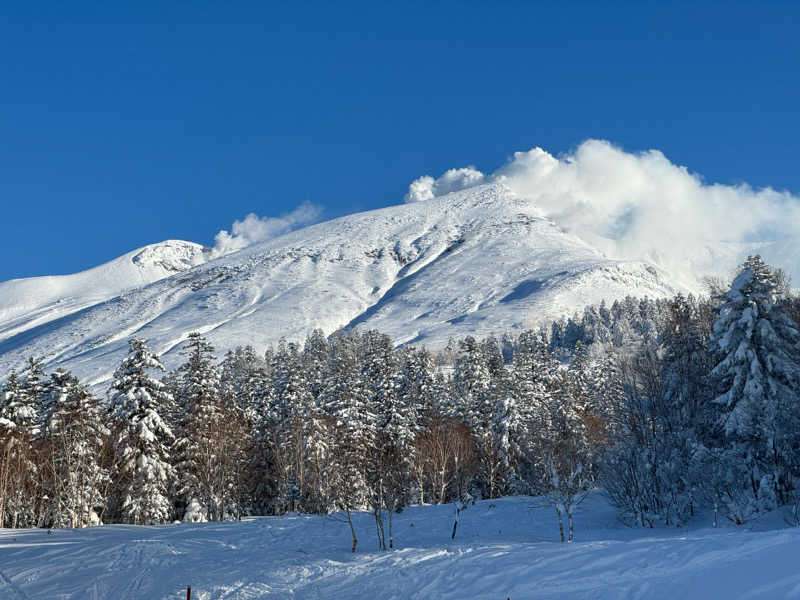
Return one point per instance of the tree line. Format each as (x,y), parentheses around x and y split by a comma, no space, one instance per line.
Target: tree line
(671,406)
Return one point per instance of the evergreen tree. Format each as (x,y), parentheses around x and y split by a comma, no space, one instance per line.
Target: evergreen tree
(471,381)
(76,437)
(138,404)
(199,461)
(244,381)
(14,411)
(19,472)
(25,405)
(290,407)
(758,380)
(343,399)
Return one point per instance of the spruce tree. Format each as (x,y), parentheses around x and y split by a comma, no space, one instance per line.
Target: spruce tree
(76,437)
(19,472)
(138,404)
(196,451)
(758,380)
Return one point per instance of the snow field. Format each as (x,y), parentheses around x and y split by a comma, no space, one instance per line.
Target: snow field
(503,548)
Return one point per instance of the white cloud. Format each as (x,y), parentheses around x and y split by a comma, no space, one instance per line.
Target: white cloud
(453,180)
(641,206)
(253,229)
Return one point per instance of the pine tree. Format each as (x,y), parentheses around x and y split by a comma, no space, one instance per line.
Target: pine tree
(14,410)
(535,373)
(244,380)
(290,407)
(76,438)
(319,427)
(205,456)
(24,408)
(19,472)
(315,359)
(758,380)
(471,382)
(138,404)
(343,400)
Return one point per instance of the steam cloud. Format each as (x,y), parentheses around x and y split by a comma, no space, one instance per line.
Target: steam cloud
(453,180)
(643,207)
(253,229)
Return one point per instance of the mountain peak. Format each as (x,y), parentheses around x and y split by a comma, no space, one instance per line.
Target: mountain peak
(173,256)
(478,261)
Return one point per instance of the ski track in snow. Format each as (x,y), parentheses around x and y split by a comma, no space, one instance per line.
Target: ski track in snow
(504,548)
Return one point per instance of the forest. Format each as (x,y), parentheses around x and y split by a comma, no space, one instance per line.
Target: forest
(670,406)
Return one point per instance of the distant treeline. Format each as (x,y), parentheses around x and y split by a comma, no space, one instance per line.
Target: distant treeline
(669,405)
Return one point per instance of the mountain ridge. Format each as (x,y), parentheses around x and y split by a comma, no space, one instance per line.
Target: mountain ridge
(478,261)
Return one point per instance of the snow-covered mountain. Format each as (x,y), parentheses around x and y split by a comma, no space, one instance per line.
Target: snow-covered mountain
(477,261)
(26,303)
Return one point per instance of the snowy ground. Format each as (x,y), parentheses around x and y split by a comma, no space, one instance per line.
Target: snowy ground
(504,548)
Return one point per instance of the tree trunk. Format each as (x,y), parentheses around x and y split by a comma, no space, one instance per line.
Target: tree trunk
(352,530)
(391,540)
(570,536)
(560,523)
(378,514)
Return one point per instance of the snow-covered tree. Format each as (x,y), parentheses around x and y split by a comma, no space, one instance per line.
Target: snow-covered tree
(568,456)
(243,380)
(22,405)
(138,404)
(471,381)
(290,407)
(14,411)
(76,437)
(18,465)
(209,447)
(758,381)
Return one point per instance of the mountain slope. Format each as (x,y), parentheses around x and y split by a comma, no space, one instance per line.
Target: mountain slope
(25,303)
(478,261)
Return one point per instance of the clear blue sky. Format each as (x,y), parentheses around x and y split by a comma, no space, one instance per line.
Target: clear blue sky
(123,124)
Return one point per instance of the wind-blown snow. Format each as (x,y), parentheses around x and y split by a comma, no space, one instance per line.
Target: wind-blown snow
(421,272)
(644,207)
(503,548)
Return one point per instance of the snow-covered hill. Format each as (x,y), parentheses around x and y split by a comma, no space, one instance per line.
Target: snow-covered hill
(26,303)
(504,548)
(477,261)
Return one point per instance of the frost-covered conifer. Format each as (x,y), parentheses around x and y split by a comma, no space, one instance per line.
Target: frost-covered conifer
(290,407)
(24,408)
(13,412)
(471,382)
(201,435)
(758,381)
(19,472)
(244,380)
(343,399)
(138,404)
(76,437)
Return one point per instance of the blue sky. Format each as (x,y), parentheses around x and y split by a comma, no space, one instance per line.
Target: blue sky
(123,125)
